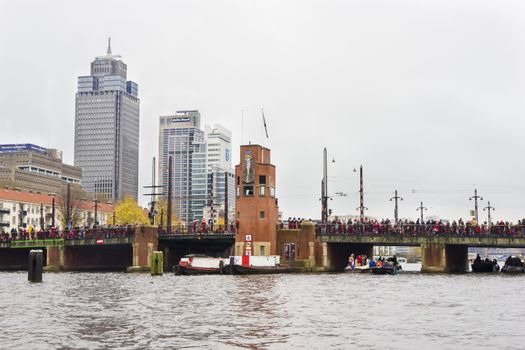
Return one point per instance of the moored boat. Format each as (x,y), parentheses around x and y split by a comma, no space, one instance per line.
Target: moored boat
(199,265)
(358,269)
(513,264)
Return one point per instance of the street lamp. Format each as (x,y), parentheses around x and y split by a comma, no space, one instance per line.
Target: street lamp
(421,208)
(476,197)
(396,207)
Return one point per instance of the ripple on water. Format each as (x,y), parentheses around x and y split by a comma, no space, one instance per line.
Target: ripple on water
(341,311)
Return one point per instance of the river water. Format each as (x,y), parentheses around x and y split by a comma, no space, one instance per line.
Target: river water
(300,311)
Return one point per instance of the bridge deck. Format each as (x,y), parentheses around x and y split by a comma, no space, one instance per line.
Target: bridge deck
(393,240)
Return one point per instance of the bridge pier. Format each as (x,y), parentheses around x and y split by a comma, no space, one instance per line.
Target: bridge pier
(444,258)
(54,258)
(145,242)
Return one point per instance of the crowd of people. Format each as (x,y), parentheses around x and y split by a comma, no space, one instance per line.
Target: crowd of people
(417,228)
(30,233)
(364,261)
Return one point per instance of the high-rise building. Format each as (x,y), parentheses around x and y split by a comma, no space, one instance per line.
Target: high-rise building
(107,129)
(220,171)
(200,162)
(180,136)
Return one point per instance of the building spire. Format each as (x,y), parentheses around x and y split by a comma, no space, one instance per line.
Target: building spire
(109,46)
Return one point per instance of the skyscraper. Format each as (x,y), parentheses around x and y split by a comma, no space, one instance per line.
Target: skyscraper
(180,136)
(107,129)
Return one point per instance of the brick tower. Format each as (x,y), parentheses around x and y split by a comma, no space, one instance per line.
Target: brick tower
(255,205)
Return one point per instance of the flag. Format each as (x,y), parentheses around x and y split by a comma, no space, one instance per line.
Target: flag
(264,122)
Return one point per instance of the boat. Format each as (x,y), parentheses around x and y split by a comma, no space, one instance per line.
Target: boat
(486,265)
(255,265)
(402,260)
(513,264)
(196,264)
(387,269)
(358,269)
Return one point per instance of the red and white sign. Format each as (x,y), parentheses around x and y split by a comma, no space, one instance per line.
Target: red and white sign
(248,238)
(100,241)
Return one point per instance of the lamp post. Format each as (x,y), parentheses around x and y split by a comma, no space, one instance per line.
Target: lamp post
(324,191)
(396,207)
(96,210)
(421,208)
(476,197)
(489,208)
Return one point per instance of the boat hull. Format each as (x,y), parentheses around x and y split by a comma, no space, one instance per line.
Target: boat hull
(256,270)
(385,270)
(512,269)
(485,267)
(190,270)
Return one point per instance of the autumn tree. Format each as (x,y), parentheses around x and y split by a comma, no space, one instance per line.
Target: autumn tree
(162,211)
(128,212)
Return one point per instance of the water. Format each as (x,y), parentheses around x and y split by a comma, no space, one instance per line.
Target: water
(308,311)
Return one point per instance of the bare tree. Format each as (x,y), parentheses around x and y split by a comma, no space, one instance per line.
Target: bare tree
(70,206)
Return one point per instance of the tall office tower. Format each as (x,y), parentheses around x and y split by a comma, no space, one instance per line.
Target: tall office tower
(107,129)
(180,137)
(221,178)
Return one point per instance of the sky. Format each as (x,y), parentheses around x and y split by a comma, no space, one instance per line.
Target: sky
(427,95)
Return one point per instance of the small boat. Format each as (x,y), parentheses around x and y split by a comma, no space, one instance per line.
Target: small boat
(480,265)
(358,269)
(387,269)
(255,265)
(513,264)
(200,265)
(402,260)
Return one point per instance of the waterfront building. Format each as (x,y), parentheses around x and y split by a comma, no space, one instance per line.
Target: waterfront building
(256,205)
(107,129)
(23,209)
(180,136)
(31,168)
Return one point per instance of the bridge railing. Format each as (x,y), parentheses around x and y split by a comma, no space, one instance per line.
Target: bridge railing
(73,234)
(196,230)
(418,230)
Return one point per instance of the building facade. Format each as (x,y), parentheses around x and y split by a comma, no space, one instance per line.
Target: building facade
(181,138)
(200,161)
(31,168)
(256,206)
(107,129)
(24,209)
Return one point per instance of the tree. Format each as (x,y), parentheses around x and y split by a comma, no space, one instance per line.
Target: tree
(75,205)
(162,209)
(128,212)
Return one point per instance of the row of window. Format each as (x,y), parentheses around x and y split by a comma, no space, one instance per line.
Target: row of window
(248,191)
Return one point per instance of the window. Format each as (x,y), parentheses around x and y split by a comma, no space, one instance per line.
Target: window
(262,250)
(238,180)
(238,191)
(262,179)
(261,215)
(248,191)
(262,190)
(272,191)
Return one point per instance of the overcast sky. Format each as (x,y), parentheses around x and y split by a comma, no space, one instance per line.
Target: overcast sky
(427,95)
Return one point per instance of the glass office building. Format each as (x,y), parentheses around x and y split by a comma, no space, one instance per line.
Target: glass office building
(107,129)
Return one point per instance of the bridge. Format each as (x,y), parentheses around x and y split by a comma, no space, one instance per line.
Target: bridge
(444,248)
(115,249)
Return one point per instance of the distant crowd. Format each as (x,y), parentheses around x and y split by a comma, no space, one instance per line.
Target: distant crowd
(415,228)
(31,233)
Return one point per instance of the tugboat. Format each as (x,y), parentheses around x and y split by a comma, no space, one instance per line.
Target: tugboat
(513,264)
(480,265)
(196,264)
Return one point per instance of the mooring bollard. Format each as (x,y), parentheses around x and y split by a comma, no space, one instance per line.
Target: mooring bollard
(35,266)
(221,267)
(232,263)
(157,263)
